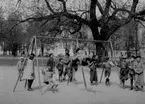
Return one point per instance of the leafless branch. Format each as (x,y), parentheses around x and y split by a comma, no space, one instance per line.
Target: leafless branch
(140,18)
(44,23)
(134,5)
(106,13)
(64,5)
(120,10)
(141,23)
(142,12)
(84,13)
(107,7)
(78,18)
(49,7)
(99,7)
(113,5)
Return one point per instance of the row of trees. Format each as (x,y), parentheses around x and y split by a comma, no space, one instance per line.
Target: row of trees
(103,17)
(10,40)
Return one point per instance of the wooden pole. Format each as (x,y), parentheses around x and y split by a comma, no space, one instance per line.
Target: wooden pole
(102,75)
(112,52)
(136,30)
(114,57)
(37,65)
(16,82)
(84,78)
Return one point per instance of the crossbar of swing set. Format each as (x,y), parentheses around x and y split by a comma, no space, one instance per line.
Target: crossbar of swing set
(68,39)
(83,40)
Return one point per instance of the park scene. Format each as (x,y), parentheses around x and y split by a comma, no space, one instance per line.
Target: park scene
(72,51)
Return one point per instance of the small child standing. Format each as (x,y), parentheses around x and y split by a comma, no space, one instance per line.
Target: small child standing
(108,65)
(123,72)
(20,67)
(48,77)
(60,68)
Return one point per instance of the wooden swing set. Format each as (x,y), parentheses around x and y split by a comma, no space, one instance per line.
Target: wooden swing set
(33,48)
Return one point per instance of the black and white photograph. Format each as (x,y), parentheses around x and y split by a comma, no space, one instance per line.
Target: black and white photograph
(72,51)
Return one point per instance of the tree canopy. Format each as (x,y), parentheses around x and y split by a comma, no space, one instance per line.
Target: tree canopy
(113,14)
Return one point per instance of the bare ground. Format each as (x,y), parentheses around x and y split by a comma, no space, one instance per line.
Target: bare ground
(74,93)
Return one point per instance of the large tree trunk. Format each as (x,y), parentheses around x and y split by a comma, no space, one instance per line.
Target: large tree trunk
(100,49)
(94,24)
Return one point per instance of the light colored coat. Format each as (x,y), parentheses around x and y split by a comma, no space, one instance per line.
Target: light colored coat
(139,78)
(29,70)
(138,67)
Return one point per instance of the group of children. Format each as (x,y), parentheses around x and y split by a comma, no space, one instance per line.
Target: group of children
(131,68)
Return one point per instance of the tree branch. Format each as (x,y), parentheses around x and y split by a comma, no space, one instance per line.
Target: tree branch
(49,7)
(141,23)
(106,12)
(120,10)
(93,9)
(134,5)
(140,18)
(107,7)
(99,7)
(64,5)
(117,25)
(142,12)
(79,19)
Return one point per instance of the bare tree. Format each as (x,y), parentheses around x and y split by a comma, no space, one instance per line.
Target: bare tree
(111,19)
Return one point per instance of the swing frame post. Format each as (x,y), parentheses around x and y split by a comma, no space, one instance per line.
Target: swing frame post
(85,84)
(114,56)
(37,64)
(102,74)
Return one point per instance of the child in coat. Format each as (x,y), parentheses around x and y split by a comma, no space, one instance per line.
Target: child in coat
(60,68)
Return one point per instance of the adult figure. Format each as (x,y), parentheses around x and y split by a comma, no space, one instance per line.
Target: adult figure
(139,76)
(29,71)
